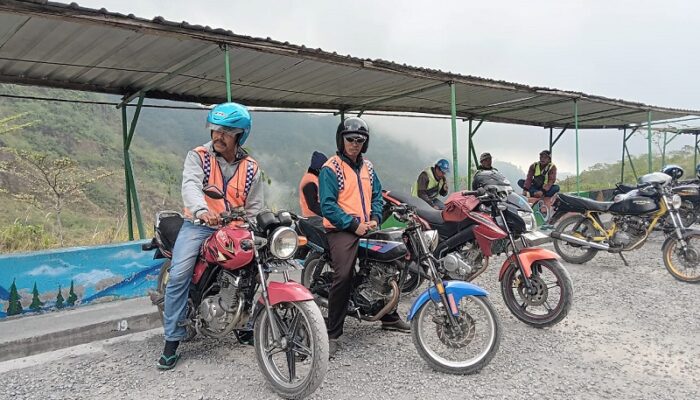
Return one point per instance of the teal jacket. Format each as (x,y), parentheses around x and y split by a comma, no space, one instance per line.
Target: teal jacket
(328,197)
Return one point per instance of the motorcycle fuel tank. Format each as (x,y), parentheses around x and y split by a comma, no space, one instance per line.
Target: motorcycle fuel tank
(634,205)
(384,245)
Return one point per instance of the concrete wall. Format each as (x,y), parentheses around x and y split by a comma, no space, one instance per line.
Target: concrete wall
(95,274)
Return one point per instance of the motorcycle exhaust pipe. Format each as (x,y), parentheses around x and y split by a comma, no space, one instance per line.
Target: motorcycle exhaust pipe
(580,242)
(390,305)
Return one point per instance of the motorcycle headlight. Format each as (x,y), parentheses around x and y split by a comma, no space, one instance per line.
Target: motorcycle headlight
(431,239)
(283,242)
(529,219)
(676,201)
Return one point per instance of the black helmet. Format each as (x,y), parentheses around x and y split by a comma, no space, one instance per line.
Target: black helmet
(672,170)
(352,125)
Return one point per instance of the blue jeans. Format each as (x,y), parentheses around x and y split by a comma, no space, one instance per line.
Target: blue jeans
(549,193)
(185,252)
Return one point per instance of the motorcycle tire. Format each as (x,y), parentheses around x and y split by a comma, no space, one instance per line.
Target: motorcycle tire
(306,326)
(687,214)
(561,247)
(162,283)
(412,281)
(519,302)
(424,321)
(686,273)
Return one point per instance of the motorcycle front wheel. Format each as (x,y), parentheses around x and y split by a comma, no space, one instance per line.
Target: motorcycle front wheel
(412,280)
(457,351)
(296,365)
(552,297)
(683,265)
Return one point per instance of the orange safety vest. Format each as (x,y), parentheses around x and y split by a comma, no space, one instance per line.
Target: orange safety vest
(354,191)
(305,180)
(237,188)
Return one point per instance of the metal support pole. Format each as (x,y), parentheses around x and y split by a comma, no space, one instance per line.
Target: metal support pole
(649,163)
(470,151)
(127,184)
(551,131)
(578,177)
(455,162)
(131,193)
(663,152)
(228,74)
(695,151)
(622,158)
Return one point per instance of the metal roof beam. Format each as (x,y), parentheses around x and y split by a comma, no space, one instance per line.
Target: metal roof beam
(197,59)
(549,103)
(363,106)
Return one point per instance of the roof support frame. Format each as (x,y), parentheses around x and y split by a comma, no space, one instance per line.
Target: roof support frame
(130,183)
(169,75)
(472,152)
(625,150)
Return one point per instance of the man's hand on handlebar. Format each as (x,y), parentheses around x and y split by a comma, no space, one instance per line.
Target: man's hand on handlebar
(209,218)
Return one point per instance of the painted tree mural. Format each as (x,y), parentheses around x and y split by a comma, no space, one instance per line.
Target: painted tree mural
(36,301)
(59,298)
(14,307)
(72,297)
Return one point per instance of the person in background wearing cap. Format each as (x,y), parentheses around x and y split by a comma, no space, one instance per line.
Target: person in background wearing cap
(484,165)
(223,163)
(541,177)
(308,187)
(351,204)
(431,182)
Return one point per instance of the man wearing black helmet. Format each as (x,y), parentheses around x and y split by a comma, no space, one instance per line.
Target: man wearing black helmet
(351,204)
(541,177)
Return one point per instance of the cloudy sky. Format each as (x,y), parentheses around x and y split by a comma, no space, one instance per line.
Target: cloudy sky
(644,51)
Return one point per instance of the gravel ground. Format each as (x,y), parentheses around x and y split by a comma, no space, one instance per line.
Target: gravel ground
(632,332)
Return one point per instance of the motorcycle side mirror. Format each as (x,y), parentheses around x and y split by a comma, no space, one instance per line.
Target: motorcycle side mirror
(213,192)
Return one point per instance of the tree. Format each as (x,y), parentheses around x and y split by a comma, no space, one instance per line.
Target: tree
(54,182)
(36,301)
(59,298)
(5,126)
(72,297)
(14,306)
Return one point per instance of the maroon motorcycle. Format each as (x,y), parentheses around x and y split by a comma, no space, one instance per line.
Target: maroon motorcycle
(290,339)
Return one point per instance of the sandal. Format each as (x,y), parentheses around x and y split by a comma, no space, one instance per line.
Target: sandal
(165,362)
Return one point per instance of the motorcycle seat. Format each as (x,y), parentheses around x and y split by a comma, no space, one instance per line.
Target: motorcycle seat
(584,203)
(314,231)
(426,212)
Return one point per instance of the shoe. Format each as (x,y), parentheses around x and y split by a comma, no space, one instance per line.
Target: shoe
(166,363)
(398,325)
(332,347)
(244,337)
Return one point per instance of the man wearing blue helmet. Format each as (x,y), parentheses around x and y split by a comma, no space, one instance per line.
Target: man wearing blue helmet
(224,164)
(431,182)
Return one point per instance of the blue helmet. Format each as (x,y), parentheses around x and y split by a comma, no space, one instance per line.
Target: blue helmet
(231,118)
(444,165)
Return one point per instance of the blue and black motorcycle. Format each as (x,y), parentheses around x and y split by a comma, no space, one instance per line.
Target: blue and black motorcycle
(454,326)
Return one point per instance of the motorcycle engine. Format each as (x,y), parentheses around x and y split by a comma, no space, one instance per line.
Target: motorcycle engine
(464,264)
(371,295)
(630,230)
(220,309)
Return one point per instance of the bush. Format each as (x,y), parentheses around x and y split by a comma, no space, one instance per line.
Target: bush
(23,237)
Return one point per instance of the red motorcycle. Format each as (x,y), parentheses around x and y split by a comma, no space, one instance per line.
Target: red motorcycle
(290,338)
(478,224)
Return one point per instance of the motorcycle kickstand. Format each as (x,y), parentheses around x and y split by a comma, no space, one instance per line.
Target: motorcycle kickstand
(624,260)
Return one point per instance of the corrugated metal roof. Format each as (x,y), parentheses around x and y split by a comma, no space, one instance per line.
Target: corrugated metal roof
(68,46)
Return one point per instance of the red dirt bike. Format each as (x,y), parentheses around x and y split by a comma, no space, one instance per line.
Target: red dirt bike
(290,338)
(535,286)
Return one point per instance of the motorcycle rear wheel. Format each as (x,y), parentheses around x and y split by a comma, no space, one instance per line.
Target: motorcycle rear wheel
(306,350)
(685,266)
(573,253)
(518,301)
(476,316)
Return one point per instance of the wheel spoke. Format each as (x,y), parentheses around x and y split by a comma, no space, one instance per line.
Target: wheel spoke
(523,306)
(547,306)
(291,365)
(301,349)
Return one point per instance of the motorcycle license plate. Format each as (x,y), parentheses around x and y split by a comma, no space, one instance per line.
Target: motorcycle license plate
(536,238)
